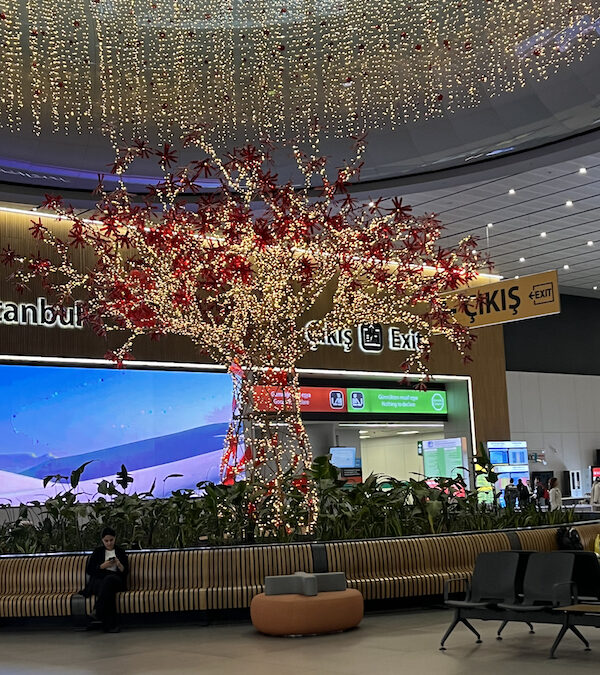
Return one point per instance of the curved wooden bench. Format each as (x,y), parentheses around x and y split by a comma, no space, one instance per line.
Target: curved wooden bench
(410,566)
(544,539)
(201,579)
(295,614)
(236,574)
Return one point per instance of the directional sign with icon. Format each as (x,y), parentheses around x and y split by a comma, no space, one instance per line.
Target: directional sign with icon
(512,300)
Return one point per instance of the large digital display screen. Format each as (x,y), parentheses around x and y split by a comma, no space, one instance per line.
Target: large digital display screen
(155,422)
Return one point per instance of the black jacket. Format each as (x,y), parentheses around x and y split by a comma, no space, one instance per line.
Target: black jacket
(93,571)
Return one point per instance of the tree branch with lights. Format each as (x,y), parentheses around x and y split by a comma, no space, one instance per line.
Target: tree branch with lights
(239,270)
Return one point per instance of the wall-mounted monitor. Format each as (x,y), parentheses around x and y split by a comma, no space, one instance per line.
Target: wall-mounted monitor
(499,457)
(343,457)
(444,457)
(513,453)
(155,422)
(517,456)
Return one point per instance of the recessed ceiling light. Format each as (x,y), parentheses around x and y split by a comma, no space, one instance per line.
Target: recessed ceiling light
(565,267)
(517,276)
(582,169)
(568,203)
(490,224)
(590,243)
(371,204)
(543,235)
(595,288)
(521,259)
(511,191)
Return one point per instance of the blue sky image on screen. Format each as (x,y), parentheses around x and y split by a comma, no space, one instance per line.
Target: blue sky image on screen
(156,422)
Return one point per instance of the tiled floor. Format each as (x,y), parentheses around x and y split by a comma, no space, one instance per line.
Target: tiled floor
(400,642)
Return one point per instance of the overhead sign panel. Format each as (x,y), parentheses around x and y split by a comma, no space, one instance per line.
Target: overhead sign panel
(397,401)
(512,300)
(353,400)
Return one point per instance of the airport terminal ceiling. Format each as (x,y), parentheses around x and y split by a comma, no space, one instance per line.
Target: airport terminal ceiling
(436,85)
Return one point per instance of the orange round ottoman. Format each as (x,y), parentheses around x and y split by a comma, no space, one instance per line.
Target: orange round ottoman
(294,614)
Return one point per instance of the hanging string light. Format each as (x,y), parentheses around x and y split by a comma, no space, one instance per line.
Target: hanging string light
(258,67)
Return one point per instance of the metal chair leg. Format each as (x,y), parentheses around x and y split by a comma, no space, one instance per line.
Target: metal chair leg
(451,627)
(502,627)
(470,627)
(531,631)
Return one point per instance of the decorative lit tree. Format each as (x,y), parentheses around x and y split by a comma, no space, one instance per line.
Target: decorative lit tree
(239,270)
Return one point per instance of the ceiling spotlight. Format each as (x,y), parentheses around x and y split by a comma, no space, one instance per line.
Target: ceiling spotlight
(511,191)
(517,276)
(595,288)
(543,235)
(371,204)
(582,170)
(565,267)
(590,243)
(521,259)
(490,224)
(568,203)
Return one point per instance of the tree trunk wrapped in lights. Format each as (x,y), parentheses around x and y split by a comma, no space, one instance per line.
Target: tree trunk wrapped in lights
(239,271)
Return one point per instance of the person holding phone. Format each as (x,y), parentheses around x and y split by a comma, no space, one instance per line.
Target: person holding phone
(107,570)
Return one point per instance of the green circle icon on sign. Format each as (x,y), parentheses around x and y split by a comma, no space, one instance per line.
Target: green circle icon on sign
(438,402)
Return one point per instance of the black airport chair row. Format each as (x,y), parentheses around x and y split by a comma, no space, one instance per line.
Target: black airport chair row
(527,587)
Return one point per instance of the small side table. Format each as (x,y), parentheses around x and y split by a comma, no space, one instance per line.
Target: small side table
(583,614)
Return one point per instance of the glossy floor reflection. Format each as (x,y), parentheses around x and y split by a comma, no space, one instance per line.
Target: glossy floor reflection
(403,641)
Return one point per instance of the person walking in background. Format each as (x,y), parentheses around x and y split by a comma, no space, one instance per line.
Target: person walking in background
(522,494)
(555,495)
(107,569)
(510,494)
(538,493)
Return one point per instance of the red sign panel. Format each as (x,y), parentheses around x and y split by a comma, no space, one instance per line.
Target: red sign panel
(595,472)
(312,399)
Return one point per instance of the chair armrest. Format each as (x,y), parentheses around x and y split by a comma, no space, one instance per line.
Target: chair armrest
(564,593)
(449,582)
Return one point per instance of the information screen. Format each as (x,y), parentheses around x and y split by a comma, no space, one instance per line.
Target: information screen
(443,457)
(343,458)
(155,422)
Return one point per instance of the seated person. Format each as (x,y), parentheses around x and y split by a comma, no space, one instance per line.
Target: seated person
(107,568)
